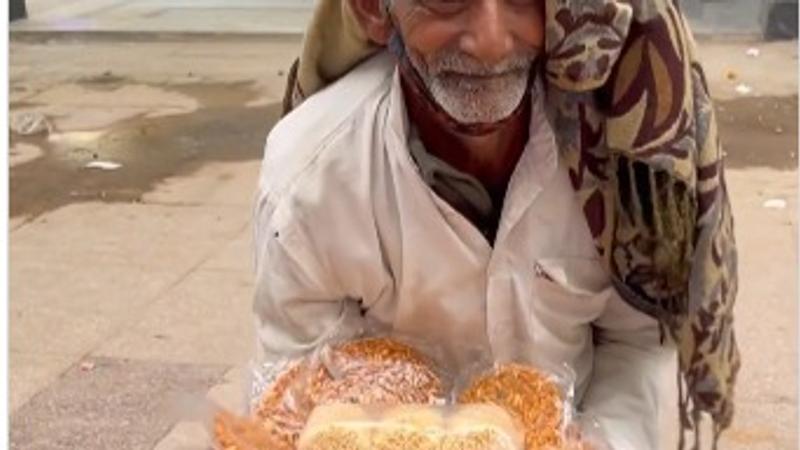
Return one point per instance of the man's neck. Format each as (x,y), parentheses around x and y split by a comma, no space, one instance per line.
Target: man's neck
(489,153)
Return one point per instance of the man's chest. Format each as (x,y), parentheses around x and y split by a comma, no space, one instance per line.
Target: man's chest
(541,280)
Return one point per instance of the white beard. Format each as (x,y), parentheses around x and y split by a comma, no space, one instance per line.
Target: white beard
(471,92)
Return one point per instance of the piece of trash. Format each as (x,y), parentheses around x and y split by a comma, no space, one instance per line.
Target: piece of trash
(281,73)
(744,89)
(87,366)
(753,52)
(730,75)
(775,203)
(779,130)
(29,123)
(103,165)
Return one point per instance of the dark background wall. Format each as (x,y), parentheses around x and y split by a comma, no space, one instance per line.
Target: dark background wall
(16,9)
(770,18)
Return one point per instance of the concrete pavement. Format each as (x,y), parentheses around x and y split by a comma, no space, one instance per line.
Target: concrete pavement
(166,16)
(130,289)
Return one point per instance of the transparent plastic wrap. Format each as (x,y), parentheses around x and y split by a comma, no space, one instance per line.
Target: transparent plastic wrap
(584,433)
(538,397)
(411,427)
(231,432)
(378,370)
(394,393)
(534,387)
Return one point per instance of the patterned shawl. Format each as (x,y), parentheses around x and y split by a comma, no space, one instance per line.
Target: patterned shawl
(635,124)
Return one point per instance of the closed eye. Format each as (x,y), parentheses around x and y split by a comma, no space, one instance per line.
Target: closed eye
(524,2)
(445,6)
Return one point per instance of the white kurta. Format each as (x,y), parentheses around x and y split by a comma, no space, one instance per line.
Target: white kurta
(345,224)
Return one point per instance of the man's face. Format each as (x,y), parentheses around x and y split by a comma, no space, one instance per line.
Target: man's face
(474,56)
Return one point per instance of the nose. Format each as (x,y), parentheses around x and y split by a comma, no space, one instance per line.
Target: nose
(488,37)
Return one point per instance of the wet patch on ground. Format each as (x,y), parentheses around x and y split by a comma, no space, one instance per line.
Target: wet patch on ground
(148,149)
(756,132)
(759,132)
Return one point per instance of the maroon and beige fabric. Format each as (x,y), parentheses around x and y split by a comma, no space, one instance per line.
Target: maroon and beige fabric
(633,116)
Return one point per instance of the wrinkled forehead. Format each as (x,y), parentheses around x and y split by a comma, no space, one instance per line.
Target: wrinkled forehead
(454,6)
(484,20)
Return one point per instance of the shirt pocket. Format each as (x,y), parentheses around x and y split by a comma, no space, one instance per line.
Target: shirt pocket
(569,290)
(575,275)
(568,295)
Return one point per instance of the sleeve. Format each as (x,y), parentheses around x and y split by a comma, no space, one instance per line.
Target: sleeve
(630,377)
(299,301)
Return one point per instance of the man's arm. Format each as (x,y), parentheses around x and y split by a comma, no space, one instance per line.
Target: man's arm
(299,301)
(297,306)
(627,384)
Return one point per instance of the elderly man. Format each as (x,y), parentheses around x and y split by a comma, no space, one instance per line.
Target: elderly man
(430,189)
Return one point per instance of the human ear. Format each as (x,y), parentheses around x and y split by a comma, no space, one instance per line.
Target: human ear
(373,18)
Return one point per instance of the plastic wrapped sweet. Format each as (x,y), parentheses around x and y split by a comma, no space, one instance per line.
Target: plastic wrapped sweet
(482,427)
(232,432)
(407,427)
(533,397)
(376,371)
(365,371)
(382,394)
(282,413)
(411,427)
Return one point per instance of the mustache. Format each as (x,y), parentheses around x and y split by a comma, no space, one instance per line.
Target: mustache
(455,62)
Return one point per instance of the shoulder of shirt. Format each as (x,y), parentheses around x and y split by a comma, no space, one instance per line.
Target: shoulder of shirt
(314,127)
